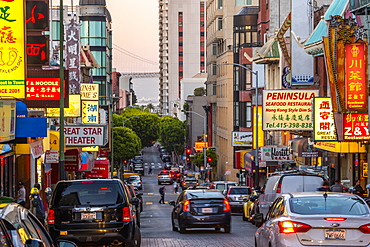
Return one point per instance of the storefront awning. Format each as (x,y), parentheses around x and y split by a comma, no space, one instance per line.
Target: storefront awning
(341,147)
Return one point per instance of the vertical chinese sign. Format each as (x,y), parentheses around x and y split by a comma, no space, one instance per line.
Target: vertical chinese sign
(90,103)
(356,77)
(324,126)
(261,135)
(73,56)
(12,52)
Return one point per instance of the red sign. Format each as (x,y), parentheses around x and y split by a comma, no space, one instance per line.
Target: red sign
(356,127)
(72,160)
(43,88)
(100,170)
(356,77)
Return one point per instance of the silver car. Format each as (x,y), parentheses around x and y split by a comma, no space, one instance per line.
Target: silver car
(316,219)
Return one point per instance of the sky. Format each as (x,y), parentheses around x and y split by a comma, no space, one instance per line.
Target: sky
(135,29)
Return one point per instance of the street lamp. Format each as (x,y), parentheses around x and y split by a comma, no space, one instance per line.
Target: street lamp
(123,122)
(256,160)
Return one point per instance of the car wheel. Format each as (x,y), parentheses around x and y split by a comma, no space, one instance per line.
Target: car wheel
(182,230)
(227,228)
(174,228)
(137,237)
(217,228)
(255,242)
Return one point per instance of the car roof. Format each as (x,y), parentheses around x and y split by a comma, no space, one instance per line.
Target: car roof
(317,194)
(234,187)
(94,179)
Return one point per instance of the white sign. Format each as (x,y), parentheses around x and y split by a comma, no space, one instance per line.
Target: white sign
(37,148)
(324,125)
(288,109)
(83,135)
(227,172)
(241,138)
(52,156)
(275,153)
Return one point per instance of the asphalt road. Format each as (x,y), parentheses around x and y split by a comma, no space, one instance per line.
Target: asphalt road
(156,227)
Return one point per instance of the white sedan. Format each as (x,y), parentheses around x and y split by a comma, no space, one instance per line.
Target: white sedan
(316,219)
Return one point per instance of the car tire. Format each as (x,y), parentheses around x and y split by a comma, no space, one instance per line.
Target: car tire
(217,228)
(227,228)
(182,230)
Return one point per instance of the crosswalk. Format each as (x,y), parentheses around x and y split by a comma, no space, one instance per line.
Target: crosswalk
(153,165)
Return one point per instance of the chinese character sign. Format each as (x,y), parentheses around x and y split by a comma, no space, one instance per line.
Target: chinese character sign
(37,50)
(12,53)
(43,88)
(73,56)
(324,125)
(37,15)
(356,127)
(356,77)
(90,112)
(288,109)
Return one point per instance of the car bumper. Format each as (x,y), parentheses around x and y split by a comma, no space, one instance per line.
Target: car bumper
(93,235)
(165,181)
(204,221)
(236,207)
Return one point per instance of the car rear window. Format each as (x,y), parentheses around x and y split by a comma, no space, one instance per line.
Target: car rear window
(70,194)
(201,195)
(244,191)
(343,205)
(300,183)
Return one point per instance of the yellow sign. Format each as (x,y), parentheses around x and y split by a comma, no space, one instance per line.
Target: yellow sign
(74,109)
(89,91)
(261,136)
(200,145)
(12,49)
(91,149)
(243,161)
(341,147)
(7,120)
(323,124)
(365,169)
(90,112)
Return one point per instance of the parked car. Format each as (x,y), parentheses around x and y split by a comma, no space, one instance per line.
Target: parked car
(166,158)
(222,185)
(138,207)
(284,183)
(136,182)
(165,177)
(237,195)
(93,212)
(316,219)
(140,196)
(200,209)
(19,227)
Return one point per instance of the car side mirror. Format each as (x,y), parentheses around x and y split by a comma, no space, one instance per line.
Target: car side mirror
(65,243)
(172,203)
(34,243)
(135,201)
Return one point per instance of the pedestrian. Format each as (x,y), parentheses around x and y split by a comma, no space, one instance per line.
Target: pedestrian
(358,190)
(150,170)
(176,186)
(337,187)
(325,186)
(162,193)
(21,196)
(37,206)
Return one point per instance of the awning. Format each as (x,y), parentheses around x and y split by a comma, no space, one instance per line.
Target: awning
(341,147)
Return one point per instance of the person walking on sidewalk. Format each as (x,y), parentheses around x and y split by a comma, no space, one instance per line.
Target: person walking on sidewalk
(162,193)
(21,196)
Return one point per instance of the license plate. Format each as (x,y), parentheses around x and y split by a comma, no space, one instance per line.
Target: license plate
(63,233)
(207,210)
(335,234)
(88,216)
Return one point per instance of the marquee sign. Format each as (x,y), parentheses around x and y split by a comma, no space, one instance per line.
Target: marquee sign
(12,43)
(288,109)
(83,135)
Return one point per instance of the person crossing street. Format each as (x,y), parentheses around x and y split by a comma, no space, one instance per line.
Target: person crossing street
(162,193)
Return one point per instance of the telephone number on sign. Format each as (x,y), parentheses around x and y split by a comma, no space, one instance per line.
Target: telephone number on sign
(290,125)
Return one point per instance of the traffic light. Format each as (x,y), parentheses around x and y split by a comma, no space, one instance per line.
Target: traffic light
(188,151)
(209,159)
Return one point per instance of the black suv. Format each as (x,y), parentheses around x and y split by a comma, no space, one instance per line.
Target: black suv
(94,212)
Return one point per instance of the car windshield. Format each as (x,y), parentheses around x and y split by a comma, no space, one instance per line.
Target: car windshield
(343,205)
(70,194)
(201,194)
(238,191)
(134,180)
(138,165)
(190,179)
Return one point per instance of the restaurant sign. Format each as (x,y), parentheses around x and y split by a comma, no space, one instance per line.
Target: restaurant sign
(288,109)
(43,88)
(356,127)
(275,153)
(324,125)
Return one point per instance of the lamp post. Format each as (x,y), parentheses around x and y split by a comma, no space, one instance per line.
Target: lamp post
(62,174)
(204,135)
(257,147)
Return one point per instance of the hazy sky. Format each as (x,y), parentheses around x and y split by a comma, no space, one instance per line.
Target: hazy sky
(135,29)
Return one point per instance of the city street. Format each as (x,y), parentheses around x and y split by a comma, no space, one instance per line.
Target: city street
(156,220)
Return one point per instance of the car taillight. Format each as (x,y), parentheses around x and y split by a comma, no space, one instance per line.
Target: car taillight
(126,214)
(170,175)
(140,183)
(226,205)
(186,206)
(51,217)
(335,219)
(365,228)
(293,227)
(278,189)
(159,176)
